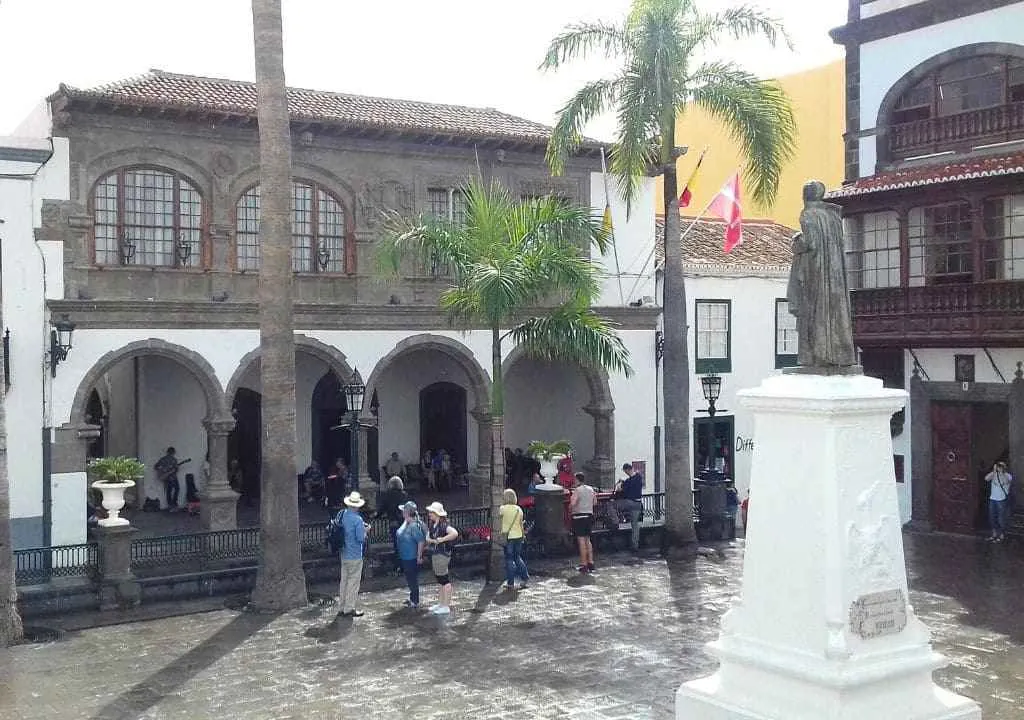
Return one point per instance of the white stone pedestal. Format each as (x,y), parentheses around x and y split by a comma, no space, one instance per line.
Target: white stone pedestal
(823,629)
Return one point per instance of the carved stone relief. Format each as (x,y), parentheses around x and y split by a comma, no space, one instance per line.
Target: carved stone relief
(379,197)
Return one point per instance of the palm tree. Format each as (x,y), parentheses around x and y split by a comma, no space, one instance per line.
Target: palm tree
(10,621)
(509,258)
(662,75)
(280,582)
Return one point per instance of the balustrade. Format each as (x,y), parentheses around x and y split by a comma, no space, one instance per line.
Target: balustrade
(994,124)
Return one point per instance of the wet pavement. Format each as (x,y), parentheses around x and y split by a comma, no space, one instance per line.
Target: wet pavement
(615,645)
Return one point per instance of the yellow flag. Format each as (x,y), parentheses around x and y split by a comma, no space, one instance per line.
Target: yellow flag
(606,224)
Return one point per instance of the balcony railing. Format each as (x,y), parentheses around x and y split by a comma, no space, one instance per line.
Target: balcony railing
(953,132)
(990,313)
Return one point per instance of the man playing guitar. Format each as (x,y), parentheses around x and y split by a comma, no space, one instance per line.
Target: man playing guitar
(167,473)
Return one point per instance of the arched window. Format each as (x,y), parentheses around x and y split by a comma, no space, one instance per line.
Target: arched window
(966,102)
(147,216)
(318,230)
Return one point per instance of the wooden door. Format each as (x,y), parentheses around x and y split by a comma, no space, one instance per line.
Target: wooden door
(954,490)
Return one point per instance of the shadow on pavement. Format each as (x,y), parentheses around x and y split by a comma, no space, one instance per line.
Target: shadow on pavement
(334,631)
(146,694)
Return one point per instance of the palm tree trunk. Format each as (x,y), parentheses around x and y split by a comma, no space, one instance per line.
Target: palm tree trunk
(679,530)
(496,561)
(280,582)
(10,621)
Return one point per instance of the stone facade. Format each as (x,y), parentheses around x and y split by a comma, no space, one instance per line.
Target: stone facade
(366,176)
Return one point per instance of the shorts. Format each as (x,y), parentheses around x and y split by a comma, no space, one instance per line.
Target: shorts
(439,564)
(582,525)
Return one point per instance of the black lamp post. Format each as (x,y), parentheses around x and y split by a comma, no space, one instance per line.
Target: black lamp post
(60,342)
(355,392)
(711,385)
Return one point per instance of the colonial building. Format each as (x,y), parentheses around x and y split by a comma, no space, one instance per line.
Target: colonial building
(740,332)
(935,229)
(141,232)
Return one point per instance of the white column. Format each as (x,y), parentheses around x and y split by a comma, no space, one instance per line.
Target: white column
(824,628)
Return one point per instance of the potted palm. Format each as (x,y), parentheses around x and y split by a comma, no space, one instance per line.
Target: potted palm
(114,475)
(548,454)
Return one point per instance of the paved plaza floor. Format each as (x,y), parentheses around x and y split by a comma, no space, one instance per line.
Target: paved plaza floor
(614,645)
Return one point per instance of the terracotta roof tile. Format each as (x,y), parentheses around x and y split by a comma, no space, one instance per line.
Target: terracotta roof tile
(159,89)
(934,173)
(767,245)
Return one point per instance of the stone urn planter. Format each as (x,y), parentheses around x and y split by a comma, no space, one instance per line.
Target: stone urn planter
(548,455)
(113,476)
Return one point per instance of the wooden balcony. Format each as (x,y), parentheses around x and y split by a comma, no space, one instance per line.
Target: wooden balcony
(957,132)
(970,315)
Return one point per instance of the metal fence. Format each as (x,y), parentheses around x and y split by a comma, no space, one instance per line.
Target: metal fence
(34,566)
(241,547)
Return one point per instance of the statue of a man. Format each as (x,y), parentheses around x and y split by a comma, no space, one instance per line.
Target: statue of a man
(818,295)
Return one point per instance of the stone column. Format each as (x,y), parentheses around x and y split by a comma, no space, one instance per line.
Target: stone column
(118,587)
(367,487)
(480,480)
(921,455)
(1016,432)
(218,505)
(601,469)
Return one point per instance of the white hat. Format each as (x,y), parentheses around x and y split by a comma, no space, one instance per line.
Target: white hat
(437,508)
(355,500)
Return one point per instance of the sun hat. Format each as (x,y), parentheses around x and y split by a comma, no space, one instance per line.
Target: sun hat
(437,508)
(409,506)
(354,500)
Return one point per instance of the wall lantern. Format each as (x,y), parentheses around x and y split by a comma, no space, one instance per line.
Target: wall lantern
(323,258)
(354,391)
(60,342)
(127,250)
(712,387)
(184,250)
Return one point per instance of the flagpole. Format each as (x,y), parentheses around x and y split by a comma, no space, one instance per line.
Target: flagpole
(681,238)
(615,245)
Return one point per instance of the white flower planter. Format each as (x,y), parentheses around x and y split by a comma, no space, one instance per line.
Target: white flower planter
(113,501)
(548,470)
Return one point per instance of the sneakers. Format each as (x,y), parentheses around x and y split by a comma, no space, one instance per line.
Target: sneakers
(351,613)
(591,568)
(410,604)
(506,586)
(439,610)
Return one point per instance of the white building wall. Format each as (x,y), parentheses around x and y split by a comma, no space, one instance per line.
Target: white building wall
(753,354)
(26,318)
(633,239)
(883,62)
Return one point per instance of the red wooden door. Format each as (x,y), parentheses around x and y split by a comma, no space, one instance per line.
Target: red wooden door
(954,495)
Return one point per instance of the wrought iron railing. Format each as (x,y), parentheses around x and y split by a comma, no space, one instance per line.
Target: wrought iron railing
(240,544)
(33,566)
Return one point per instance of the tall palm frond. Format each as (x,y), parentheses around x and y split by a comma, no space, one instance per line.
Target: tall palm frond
(581,39)
(758,116)
(590,101)
(573,333)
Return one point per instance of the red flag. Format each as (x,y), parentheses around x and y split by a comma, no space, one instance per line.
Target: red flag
(691,183)
(726,205)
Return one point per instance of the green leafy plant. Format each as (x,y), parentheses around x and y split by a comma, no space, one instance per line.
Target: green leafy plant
(546,451)
(116,469)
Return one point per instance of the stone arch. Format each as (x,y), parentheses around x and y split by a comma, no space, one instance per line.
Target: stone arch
(453,349)
(250,177)
(148,156)
(918,73)
(601,407)
(328,354)
(597,379)
(192,361)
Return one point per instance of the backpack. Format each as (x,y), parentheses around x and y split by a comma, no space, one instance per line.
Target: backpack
(336,534)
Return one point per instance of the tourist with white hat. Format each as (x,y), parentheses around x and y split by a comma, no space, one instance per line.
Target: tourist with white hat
(440,539)
(353,547)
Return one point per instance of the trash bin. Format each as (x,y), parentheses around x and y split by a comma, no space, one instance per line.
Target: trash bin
(713,515)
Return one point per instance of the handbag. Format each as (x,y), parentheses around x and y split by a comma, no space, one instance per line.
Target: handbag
(502,537)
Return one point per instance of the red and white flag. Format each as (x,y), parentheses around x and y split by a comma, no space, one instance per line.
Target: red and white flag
(726,205)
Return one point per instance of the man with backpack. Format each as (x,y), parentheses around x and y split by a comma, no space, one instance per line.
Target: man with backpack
(629,491)
(347,533)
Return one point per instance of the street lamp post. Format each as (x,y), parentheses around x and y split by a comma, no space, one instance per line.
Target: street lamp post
(355,392)
(711,385)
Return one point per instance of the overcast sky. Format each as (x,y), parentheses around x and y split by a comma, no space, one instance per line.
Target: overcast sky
(470,52)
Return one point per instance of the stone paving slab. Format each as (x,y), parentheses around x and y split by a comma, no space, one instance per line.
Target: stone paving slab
(614,646)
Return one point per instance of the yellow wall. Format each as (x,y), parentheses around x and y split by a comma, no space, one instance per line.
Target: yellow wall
(818,97)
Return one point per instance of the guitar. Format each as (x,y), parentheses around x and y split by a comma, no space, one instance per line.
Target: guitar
(168,473)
